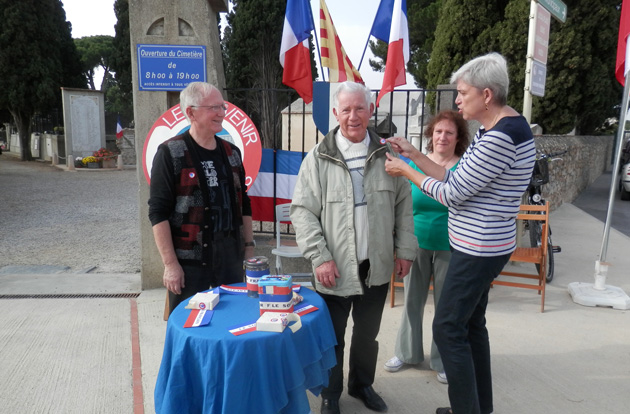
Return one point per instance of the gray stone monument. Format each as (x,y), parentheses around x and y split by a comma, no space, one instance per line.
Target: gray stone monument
(84,120)
(161,24)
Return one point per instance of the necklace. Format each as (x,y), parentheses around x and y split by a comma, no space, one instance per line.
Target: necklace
(494,121)
(445,163)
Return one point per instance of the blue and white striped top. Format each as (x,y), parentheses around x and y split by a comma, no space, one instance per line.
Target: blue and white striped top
(484,193)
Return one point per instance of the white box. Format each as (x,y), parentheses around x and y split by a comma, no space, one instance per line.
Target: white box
(277,321)
(203,300)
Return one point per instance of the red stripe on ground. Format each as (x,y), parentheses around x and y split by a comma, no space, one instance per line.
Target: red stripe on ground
(136,366)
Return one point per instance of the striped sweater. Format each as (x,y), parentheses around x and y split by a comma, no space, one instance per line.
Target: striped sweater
(484,193)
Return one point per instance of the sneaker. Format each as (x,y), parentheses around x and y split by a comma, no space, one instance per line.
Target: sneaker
(393,364)
(441,377)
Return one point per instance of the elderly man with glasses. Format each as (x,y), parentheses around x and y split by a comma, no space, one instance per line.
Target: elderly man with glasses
(198,206)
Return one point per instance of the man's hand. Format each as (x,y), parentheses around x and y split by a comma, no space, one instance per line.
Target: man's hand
(402,268)
(174,278)
(249,252)
(326,273)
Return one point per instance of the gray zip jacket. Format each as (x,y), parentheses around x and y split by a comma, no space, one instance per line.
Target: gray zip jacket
(322,212)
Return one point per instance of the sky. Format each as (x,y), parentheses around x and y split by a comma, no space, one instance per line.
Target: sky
(352,18)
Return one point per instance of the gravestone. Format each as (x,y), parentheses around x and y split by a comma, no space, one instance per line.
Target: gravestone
(84,120)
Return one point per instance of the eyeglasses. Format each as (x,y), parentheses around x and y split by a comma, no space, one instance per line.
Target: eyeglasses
(212,108)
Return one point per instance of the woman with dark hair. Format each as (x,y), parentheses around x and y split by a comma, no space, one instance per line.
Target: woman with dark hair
(483,196)
(448,139)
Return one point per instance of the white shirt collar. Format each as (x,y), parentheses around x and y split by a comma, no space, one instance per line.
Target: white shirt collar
(344,143)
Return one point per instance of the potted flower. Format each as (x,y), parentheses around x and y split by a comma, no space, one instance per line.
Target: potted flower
(106,157)
(91,162)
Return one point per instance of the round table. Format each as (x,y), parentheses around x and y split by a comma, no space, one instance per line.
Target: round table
(209,370)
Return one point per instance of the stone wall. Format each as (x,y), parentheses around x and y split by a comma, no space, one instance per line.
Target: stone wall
(586,158)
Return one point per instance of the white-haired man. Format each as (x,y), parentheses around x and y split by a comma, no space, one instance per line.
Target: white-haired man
(354,223)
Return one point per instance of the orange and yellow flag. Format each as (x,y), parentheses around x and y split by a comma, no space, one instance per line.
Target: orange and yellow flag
(334,57)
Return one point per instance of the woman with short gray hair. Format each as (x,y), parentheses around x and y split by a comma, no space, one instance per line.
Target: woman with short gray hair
(483,196)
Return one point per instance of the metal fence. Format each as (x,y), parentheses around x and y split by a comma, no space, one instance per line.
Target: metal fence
(285,122)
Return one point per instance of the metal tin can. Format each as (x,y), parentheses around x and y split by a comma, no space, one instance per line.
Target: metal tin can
(255,268)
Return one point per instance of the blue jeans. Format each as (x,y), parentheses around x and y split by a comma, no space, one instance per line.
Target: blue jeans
(459,330)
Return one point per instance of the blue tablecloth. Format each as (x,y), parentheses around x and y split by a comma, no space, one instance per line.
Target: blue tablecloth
(209,370)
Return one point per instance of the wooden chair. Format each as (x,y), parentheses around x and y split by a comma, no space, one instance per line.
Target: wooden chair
(534,255)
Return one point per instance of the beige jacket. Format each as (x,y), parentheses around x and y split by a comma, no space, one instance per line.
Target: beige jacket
(322,212)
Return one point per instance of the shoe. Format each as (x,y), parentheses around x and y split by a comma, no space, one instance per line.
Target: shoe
(370,398)
(393,364)
(444,410)
(330,406)
(441,377)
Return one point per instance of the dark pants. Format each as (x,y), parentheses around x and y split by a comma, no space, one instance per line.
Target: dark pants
(226,267)
(367,310)
(459,330)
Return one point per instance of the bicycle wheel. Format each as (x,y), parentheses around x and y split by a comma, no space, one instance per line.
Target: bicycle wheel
(550,262)
(535,236)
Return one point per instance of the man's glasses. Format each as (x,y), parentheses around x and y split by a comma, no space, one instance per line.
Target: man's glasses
(212,108)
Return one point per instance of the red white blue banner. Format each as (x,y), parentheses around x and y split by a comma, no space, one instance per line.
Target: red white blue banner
(198,317)
(276,179)
(300,309)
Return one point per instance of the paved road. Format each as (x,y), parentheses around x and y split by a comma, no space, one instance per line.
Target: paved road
(594,201)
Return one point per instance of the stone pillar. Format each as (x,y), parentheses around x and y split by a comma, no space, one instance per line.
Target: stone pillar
(167,22)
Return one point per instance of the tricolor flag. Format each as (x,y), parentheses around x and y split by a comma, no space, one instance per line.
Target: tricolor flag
(295,55)
(119,129)
(623,46)
(390,25)
(333,54)
(198,317)
(284,167)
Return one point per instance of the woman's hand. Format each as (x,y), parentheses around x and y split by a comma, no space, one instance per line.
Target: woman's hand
(402,146)
(395,166)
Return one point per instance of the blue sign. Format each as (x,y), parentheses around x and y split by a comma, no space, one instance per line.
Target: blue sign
(170,67)
(539,75)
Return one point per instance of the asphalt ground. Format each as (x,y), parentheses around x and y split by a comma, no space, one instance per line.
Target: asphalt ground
(92,343)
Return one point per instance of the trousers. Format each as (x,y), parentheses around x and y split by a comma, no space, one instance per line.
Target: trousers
(409,342)
(459,330)
(367,311)
(226,267)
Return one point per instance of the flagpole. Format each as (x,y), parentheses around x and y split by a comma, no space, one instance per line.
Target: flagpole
(598,293)
(611,199)
(317,46)
(364,49)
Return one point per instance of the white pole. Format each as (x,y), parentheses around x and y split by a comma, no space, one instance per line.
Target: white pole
(613,186)
(531,45)
(599,293)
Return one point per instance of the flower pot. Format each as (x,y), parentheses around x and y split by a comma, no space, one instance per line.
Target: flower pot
(93,165)
(109,163)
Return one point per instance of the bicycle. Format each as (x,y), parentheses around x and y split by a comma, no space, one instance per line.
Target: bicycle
(540,176)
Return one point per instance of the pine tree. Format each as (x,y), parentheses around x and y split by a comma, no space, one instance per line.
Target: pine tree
(37,57)
(251,50)
(580,90)
(119,96)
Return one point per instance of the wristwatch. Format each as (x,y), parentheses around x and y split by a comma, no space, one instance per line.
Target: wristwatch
(250,243)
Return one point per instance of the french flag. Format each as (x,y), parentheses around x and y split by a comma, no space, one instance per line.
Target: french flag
(623,46)
(295,55)
(119,129)
(198,317)
(276,178)
(390,25)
